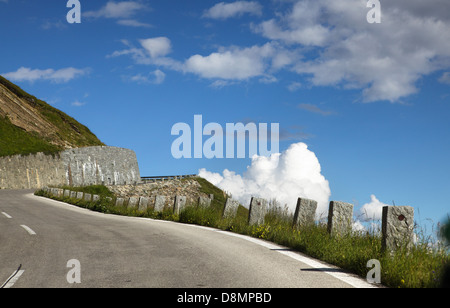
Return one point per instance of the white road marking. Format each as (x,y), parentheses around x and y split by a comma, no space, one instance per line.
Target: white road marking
(12,279)
(351,280)
(354,281)
(6,215)
(28,229)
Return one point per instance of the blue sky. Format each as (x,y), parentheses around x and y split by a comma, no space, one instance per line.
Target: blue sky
(371,101)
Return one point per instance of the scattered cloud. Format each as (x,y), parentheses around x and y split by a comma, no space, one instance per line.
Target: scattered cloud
(284,176)
(384,60)
(78,104)
(157,47)
(227,64)
(231,63)
(445,78)
(325,43)
(224,10)
(314,109)
(219,84)
(267,79)
(47,25)
(155,77)
(152,51)
(58,76)
(123,11)
(133,23)
(294,132)
(294,86)
(118,10)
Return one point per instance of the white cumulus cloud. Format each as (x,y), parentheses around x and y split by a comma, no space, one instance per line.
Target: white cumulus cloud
(233,63)
(284,176)
(157,47)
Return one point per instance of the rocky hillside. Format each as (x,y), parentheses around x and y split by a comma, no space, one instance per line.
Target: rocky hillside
(30,125)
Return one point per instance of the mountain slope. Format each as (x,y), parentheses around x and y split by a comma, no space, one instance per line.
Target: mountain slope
(29,125)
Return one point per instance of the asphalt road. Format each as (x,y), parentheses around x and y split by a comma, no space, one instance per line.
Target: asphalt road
(38,237)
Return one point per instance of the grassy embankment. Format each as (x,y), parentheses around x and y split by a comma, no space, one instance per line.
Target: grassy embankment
(15,140)
(420,267)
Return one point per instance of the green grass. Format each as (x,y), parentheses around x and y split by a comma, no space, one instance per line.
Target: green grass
(14,140)
(419,267)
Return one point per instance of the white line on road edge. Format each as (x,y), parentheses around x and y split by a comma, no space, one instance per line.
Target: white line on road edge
(29,230)
(351,280)
(12,279)
(6,215)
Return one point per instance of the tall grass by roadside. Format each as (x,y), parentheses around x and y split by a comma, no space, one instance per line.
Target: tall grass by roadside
(420,267)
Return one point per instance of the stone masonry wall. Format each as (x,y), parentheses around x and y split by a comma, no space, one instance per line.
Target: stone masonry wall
(75,167)
(188,188)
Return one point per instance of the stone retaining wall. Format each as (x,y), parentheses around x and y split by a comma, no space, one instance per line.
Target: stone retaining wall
(74,167)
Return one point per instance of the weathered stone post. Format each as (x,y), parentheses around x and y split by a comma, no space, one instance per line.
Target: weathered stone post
(179,204)
(60,192)
(80,195)
(340,216)
(53,191)
(143,204)
(120,201)
(87,197)
(397,227)
(258,208)
(230,209)
(132,202)
(305,213)
(204,202)
(160,202)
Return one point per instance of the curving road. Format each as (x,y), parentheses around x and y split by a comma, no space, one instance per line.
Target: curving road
(39,236)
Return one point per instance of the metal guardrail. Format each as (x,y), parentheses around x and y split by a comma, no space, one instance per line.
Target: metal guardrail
(150,179)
